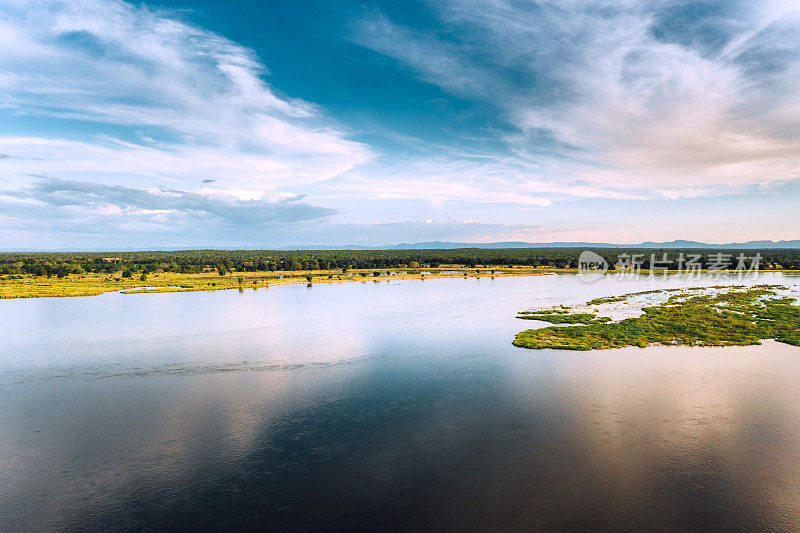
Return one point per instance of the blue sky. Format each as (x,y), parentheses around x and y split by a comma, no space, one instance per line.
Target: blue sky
(191,123)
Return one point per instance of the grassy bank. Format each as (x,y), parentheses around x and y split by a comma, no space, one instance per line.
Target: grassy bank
(90,284)
(727,317)
(94,283)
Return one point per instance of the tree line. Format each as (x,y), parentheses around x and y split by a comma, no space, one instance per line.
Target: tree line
(226,261)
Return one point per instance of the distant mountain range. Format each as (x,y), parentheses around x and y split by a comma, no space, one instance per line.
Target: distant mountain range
(439,245)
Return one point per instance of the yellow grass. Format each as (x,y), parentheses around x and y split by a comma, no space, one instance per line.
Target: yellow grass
(91,284)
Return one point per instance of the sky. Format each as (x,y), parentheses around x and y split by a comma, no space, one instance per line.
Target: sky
(191,123)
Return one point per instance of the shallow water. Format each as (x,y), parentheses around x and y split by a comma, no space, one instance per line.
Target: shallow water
(384,405)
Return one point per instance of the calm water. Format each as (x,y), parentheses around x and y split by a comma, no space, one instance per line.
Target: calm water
(384,406)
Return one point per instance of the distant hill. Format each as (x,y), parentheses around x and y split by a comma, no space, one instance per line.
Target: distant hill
(440,245)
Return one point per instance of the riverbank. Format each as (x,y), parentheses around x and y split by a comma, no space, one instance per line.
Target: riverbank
(91,284)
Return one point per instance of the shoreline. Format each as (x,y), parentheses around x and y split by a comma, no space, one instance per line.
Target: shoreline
(93,285)
(73,285)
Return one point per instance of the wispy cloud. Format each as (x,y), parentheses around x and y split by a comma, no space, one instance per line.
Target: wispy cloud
(153,98)
(149,128)
(120,200)
(457,180)
(652,97)
(174,217)
(54,213)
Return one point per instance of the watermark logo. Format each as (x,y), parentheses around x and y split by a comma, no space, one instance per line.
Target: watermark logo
(591,266)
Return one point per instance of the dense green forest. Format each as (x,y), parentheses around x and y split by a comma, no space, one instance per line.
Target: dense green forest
(225,261)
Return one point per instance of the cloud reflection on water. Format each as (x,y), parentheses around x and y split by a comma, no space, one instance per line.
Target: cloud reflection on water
(444,425)
(663,439)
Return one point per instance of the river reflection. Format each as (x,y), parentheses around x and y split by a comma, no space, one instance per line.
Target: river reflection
(382,407)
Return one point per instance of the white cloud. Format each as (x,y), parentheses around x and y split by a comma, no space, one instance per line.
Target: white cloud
(455,181)
(83,197)
(626,108)
(593,99)
(192,104)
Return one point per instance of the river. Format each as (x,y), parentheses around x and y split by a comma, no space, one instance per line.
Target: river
(398,405)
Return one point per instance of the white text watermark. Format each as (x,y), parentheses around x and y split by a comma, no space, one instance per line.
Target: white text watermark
(593,266)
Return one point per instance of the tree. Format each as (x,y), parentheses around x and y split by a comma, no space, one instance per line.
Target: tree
(143,277)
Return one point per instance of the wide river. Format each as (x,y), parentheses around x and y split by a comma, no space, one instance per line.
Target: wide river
(380,406)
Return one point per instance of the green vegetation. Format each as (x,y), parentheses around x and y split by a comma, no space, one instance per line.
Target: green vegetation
(225,261)
(89,284)
(605,300)
(32,275)
(83,273)
(733,316)
(560,316)
(94,284)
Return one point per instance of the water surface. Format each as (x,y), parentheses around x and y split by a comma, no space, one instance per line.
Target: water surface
(385,405)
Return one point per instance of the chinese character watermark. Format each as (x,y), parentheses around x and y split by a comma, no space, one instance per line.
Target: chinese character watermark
(593,266)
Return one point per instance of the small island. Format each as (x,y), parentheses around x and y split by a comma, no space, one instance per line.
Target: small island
(713,316)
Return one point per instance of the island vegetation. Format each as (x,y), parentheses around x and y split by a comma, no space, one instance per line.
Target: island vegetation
(724,316)
(561,316)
